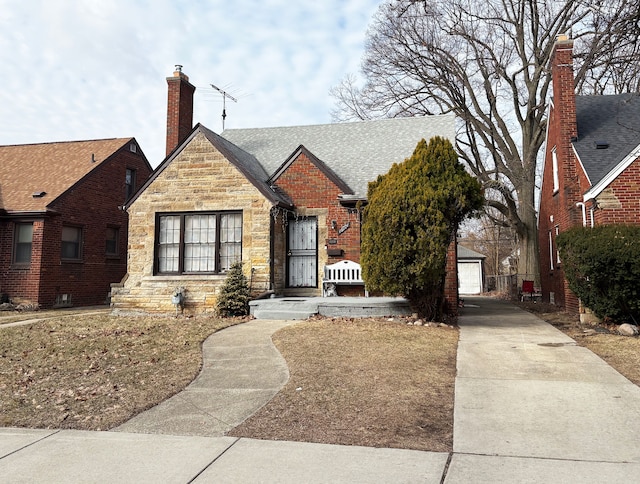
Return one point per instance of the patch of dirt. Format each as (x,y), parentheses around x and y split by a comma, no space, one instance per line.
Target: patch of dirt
(621,352)
(94,372)
(365,382)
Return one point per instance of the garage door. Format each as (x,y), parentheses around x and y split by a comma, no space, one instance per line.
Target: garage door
(469,278)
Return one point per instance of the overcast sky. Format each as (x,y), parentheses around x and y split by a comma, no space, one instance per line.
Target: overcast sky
(91,69)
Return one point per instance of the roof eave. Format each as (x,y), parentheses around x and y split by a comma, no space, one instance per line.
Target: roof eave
(597,189)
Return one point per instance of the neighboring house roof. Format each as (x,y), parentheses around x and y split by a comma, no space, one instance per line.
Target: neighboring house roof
(466,253)
(245,162)
(357,152)
(52,168)
(614,120)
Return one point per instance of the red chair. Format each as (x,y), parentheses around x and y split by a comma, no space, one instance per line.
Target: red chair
(527,290)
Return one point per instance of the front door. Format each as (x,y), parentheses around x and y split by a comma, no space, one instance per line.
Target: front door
(302,253)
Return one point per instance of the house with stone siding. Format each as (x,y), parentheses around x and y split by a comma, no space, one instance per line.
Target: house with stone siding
(284,201)
(591,172)
(63,232)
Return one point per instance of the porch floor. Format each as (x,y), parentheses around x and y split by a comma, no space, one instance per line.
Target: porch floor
(350,307)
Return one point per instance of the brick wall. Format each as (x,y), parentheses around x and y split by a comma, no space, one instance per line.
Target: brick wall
(199,178)
(314,194)
(92,205)
(619,203)
(558,210)
(20,283)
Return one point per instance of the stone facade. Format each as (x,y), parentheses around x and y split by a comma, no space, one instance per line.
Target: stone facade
(199,179)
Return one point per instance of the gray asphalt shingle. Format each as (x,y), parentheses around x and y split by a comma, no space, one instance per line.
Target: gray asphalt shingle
(614,119)
(357,152)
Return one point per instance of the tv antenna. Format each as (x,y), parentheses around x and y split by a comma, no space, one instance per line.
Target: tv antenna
(225,95)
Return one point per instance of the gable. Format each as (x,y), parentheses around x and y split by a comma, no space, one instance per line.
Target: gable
(51,168)
(322,168)
(613,120)
(356,152)
(242,161)
(308,182)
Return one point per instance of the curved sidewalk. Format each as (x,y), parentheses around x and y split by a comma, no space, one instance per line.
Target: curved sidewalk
(241,371)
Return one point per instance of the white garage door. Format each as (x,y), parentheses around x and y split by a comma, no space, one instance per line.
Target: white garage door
(469,278)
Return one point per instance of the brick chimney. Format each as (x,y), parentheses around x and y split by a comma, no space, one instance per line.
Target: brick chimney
(564,96)
(179,108)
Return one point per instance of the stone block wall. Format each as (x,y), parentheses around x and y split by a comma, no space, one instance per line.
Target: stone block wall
(198,179)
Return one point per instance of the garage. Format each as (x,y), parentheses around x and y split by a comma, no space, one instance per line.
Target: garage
(470,271)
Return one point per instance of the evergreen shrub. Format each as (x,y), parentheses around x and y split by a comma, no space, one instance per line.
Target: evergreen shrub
(412,214)
(234,296)
(602,267)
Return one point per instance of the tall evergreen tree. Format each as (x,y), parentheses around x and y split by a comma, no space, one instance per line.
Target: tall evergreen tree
(413,212)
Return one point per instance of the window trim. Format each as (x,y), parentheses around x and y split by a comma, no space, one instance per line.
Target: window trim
(80,244)
(181,243)
(554,167)
(14,261)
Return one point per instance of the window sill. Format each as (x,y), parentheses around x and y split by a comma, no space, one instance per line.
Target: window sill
(20,267)
(182,277)
(71,261)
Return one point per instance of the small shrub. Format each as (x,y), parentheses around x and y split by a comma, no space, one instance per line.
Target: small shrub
(234,296)
(602,267)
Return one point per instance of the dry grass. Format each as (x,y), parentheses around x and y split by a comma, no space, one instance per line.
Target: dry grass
(95,372)
(363,382)
(621,352)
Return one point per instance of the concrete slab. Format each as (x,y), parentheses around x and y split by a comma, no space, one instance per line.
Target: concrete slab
(480,469)
(574,420)
(12,440)
(524,361)
(295,462)
(76,456)
(205,413)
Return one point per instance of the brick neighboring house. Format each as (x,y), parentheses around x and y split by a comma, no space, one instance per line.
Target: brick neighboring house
(285,201)
(63,233)
(591,171)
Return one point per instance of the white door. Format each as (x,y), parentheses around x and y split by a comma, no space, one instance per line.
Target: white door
(469,277)
(302,254)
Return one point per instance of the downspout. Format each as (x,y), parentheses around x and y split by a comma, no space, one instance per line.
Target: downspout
(271,252)
(584,213)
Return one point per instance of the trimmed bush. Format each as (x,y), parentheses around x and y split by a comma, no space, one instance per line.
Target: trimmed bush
(234,296)
(602,267)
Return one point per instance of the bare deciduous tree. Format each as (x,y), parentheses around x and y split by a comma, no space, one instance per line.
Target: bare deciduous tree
(487,61)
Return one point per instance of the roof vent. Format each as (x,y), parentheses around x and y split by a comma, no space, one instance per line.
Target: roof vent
(38,194)
(602,145)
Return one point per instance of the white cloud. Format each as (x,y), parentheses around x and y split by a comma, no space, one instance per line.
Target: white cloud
(86,69)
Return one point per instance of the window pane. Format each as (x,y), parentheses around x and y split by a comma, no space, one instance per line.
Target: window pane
(199,243)
(23,242)
(71,242)
(230,240)
(112,241)
(169,243)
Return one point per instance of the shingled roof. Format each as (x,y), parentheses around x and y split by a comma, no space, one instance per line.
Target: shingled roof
(243,161)
(49,168)
(357,152)
(606,120)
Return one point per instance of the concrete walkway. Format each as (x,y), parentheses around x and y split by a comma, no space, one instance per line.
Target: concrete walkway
(531,406)
(242,371)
